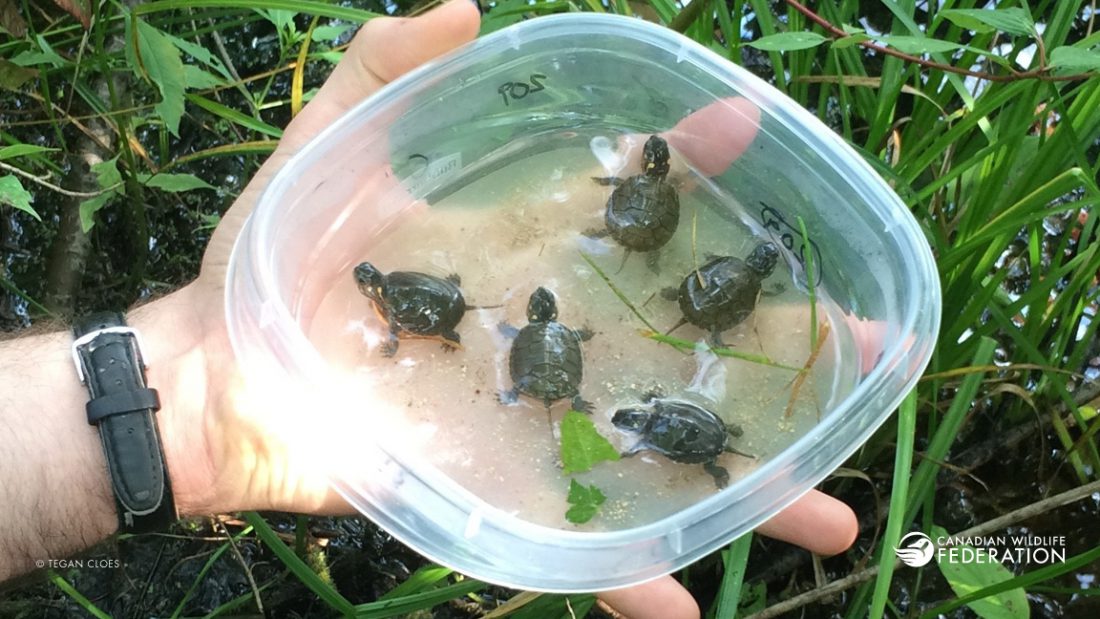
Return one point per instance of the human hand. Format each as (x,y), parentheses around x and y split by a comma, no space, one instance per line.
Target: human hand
(220,453)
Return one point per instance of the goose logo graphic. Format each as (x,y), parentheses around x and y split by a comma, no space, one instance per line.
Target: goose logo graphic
(915,549)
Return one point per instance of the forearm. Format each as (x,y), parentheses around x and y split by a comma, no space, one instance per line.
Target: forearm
(55,493)
(55,496)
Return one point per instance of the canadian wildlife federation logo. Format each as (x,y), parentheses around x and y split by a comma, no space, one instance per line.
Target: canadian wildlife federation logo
(915,549)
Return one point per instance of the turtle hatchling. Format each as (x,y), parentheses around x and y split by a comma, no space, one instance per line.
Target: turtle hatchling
(545,360)
(414,305)
(644,210)
(722,293)
(681,431)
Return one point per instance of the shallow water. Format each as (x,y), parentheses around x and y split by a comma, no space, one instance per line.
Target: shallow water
(521,227)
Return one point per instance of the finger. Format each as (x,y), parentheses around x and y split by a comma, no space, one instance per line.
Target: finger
(817,522)
(384,49)
(714,136)
(663,598)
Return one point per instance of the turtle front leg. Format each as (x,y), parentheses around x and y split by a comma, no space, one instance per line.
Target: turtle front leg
(509,397)
(716,339)
(507,330)
(389,346)
(580,404)
(451,341)
(584,333)
(721,476)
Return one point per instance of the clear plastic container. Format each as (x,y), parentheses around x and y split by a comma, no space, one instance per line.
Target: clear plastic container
(481,163)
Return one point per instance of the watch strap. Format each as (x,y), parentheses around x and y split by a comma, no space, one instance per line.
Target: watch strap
(109,361)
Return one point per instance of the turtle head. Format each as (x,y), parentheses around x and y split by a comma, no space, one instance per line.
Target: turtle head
(370,280)
(655,157)
(763,259)
(631,419)
(542,307)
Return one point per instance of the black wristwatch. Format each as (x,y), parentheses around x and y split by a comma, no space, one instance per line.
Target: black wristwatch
(109,363)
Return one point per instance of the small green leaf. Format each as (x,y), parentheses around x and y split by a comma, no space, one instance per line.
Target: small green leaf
(12,76)
(12,192)
(918,45)
(585,501)
(1074,59)
(1012,20)
(155,58)
(89,207)
(850,40)
(330,33)
(196,78)
(107,174)
(582,446)
(21,150)
(174,182)
(969,576)
(788,41)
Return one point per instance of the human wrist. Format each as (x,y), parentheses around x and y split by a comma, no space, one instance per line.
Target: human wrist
(174,330)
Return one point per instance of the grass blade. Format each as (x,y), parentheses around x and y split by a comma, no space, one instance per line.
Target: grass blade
(618,293)
(895,520)
(733,575)
(78,597)
(309,578)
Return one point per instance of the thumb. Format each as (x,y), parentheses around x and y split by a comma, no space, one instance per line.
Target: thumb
(383,50)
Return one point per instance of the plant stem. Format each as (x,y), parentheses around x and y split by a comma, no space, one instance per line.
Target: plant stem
(1040,73)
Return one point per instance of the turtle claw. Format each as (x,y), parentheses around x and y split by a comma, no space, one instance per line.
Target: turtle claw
(389,347)
(651,261)
(655,393)
(508,397)
(451,341)
(595,233)
(580,404)
(454,279)
(507,330)
(670,293)
(585,333)
(721,476)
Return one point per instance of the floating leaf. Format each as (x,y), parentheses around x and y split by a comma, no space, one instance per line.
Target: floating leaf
(12,192)
(969,576)
(20,150)
(12,76)
(918,45)
(1074,59)
(788,41)
(582,446)
(1012,20)
(585,501)
(153,55)
(174,182)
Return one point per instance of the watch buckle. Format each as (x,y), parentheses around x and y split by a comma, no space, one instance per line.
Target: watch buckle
(135,344)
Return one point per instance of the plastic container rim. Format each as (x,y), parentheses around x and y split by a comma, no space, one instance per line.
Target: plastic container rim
(925,285)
